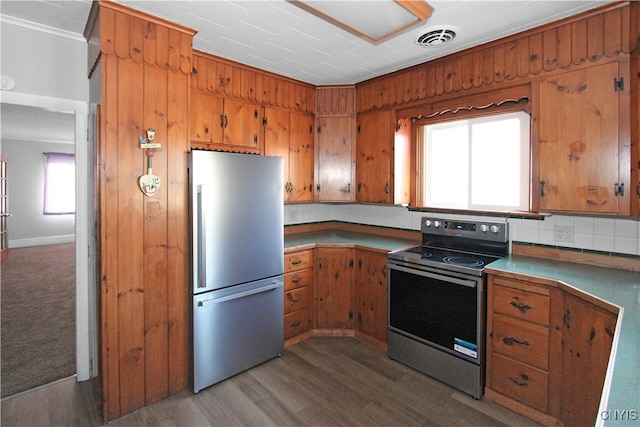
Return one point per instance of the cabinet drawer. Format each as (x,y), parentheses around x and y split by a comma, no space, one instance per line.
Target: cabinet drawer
(521,382)
(297,322)
(297,299)
(522,341)
(521,304)
(297,261)
(298,279)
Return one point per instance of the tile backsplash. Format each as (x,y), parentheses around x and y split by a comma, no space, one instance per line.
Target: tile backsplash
(610,235)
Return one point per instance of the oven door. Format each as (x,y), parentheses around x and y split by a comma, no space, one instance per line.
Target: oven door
(442,309)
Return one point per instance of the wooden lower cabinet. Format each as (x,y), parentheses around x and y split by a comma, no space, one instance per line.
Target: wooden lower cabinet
(370,295)
(298,294)
(343,293)
(334,288)
(587,336)
(547,350)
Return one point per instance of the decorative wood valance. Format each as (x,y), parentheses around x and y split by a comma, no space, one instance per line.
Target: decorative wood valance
(129,33)
(602,34)
(516,98)
(234,80)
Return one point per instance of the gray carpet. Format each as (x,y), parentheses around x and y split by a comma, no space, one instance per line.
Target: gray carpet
(37,330)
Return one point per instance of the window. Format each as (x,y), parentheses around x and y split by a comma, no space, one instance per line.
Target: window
(59,184)
(477,164)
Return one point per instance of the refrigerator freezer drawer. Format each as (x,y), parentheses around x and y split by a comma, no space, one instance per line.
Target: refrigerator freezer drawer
(235,329)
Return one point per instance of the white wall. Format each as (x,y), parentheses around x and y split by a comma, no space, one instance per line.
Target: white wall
(44,63)
(28,226)
(50,70)
(608,235)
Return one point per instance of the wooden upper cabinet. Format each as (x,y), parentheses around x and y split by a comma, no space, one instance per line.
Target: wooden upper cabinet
(335,160)
(206,116)
(290,135)
(301,158)
(242,124)
(225,123)
(374,157)
(584,141)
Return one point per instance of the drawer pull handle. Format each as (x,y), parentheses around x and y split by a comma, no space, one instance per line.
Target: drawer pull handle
(512,340)
(293,301)
(517,382)
(296,280)
(296,262)
(521,307)
(296,324)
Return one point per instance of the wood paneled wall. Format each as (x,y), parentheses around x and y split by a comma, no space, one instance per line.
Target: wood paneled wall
(589,37)
(336,101)
(233,80)
(144,66)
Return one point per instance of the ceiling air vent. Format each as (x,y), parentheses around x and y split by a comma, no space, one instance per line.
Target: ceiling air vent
(436,37)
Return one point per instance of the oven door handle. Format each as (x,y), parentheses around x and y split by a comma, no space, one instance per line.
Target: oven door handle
(454,280)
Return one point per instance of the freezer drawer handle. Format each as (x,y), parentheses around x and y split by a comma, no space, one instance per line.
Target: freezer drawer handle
(210,301)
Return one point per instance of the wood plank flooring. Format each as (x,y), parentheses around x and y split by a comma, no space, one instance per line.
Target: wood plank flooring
(323,381)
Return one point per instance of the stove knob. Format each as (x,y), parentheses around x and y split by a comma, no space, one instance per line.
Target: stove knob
(484,228)
(428,223)
(436,223)
(495,229)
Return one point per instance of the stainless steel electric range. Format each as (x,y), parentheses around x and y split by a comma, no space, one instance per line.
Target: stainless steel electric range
(437,301)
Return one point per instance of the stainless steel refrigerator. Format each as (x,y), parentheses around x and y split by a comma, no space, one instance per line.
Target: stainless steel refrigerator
(237,242)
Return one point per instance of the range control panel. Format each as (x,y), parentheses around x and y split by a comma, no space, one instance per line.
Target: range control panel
(483,230)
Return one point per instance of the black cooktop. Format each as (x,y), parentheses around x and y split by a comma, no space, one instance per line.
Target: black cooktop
(452,257)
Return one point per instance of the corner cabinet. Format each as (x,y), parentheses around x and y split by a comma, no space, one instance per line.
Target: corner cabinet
(584,141)
(336,163)
(370,296)
(225,124)
(334,288)
(374,157)
(335,143)
(547,349)
(290,135)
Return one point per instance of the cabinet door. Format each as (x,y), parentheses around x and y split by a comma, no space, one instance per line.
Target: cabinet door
(301,153)
(242,124)
(206,118)
(370,305)
(335,159)
(276,140)
(334,272)
(374,143)
(579,141)
(587,336)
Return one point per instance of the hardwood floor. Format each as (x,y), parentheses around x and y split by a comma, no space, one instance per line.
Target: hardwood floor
(336,381)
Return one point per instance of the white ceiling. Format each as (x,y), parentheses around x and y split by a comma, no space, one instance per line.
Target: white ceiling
(277,36)
(29,124)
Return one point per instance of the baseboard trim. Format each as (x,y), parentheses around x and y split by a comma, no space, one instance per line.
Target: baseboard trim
(41,241)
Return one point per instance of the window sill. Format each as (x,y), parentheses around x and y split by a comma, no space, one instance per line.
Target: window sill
(514,214)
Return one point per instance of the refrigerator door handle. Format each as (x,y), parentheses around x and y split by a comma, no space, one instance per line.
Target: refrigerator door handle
(206,302)
(201,234)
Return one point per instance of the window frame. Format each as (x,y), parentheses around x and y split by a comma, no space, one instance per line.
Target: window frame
(47,195)
(524,161)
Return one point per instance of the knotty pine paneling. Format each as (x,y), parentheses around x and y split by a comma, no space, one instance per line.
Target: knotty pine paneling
(336,100)
(603,33)
(237,81)
(144,82)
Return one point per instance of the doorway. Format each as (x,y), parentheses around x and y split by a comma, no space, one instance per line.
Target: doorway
(83,249)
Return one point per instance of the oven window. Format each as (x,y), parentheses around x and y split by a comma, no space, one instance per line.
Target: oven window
(436,311)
